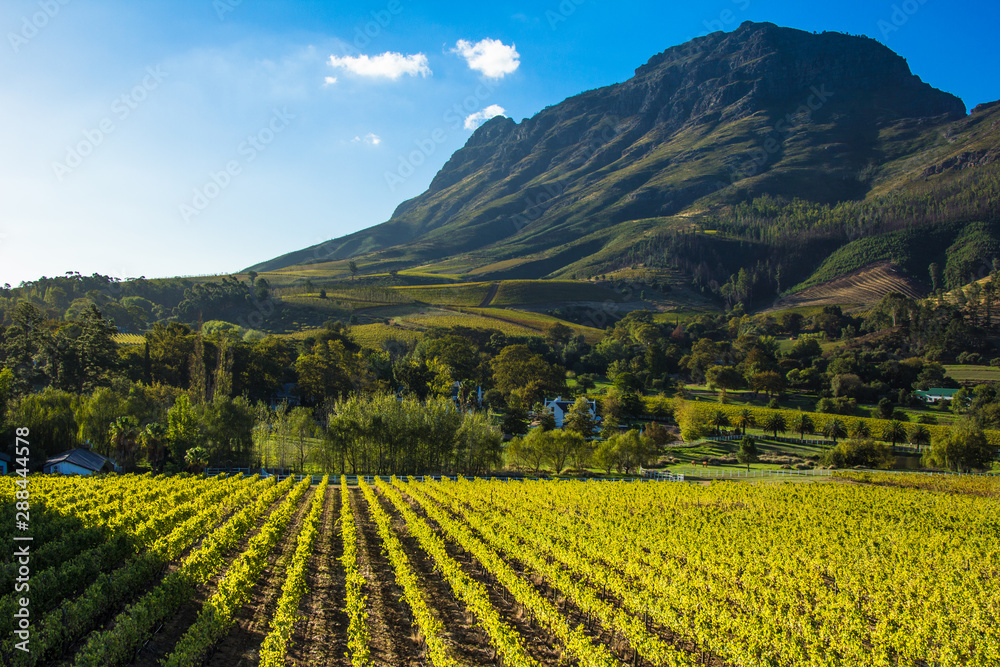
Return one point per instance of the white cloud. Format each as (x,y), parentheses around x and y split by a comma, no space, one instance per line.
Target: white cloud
(475,120)
(388,65)
(491,57)
(329,81)
(371,139)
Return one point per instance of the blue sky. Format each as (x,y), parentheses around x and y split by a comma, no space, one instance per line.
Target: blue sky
(188,137)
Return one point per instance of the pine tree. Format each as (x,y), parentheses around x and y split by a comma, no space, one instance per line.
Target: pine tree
(224,372)
(199,375)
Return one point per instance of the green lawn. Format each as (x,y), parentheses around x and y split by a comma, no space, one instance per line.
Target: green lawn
(967,373)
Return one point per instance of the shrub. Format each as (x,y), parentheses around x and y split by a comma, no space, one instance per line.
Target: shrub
(863,452)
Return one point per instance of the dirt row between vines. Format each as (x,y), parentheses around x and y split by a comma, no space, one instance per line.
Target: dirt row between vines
(320,638)
(471,645)
(392,641)
(108,621)
(241,645)
(536,637)
(538,642)
(167,636)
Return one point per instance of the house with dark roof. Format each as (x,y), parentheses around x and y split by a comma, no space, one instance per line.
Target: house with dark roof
(287,394)
(78,461)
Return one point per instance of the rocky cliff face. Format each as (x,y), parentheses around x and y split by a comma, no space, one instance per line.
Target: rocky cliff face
(727,116)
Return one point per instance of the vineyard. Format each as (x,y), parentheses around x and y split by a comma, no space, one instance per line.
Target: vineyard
(866,569)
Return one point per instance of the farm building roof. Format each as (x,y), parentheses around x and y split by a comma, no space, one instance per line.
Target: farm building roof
(83,458)
(938,391)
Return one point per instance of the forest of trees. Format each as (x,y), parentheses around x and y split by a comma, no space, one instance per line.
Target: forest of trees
(212,390)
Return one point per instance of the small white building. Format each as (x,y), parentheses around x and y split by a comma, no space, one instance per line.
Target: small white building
(78,461)
(560,409)
(936,395)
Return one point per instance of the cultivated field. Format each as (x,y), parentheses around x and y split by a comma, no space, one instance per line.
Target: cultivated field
(863,570)
(968,373)
(129,339)
(863,287)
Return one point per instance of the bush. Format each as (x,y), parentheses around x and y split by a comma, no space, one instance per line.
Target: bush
(863,452)
(963,448)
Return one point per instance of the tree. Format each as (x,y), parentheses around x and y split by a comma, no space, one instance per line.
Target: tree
(919,436)
(528,451)
(834,429)
(123,435)
(724,378)
(693,422)
(352,266)
(718,419)
(609,426)
(303,429)
(224,372)
(935,275)
(802,423)
(196,458)
(745,420)
(558,334)
(517,370)
(152,439)
(48,415)
(747,453)
(514,420)
(770,382)
(579,419)
(606,455)
(859,452)
(328,371)
(894,432)
(22,340)
(561,446)
(859,429)
(182,428)
(546,418)
(625,451)
(199,374)
(659,436)
(774,422)
(963,448)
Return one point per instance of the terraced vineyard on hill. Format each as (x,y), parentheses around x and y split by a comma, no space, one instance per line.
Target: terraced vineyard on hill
(863,287)
(143,570)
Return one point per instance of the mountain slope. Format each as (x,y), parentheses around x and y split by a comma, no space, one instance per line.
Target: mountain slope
(700,130)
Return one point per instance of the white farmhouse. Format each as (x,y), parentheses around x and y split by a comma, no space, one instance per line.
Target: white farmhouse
(560,409)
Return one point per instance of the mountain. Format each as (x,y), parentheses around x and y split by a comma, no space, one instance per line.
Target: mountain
(765,145)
